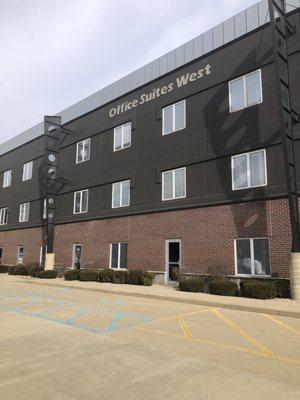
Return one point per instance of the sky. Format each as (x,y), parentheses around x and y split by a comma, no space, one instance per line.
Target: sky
(54,53)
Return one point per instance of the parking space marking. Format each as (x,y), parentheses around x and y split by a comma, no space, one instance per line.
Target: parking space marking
(244,334)
(277,321)
(185,329)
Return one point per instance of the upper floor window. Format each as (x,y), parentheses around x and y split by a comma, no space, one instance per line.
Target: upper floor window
(24,212)
(81,199)
(3,216)
(83,151)
(252,256)
(7,178)
(245,91)
(173,117)
(174,184)
(121,194)
(122,136)
(249,170)
(27,171)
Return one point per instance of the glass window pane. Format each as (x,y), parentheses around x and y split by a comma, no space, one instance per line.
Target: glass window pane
(240,172)
(168,120)
(87,150)
(168,185)
(126,193)
(237,94)
(127,135)
(114,255)
(180,182)
(79,151)
(117,194)
(261,257)
(118,138)
(179,115)
(243,256)
(253,85)
(257,169)
(77,202)
(123,256)
(84,204)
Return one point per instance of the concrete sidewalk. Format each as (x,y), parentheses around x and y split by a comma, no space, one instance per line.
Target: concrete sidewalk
(281,307)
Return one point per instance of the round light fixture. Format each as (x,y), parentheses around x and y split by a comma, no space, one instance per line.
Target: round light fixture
(51,157)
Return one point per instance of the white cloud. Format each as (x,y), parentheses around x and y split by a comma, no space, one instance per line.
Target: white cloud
(54,53)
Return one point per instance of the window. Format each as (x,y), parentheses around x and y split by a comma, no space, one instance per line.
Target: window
(3,216)
(121,194)
(24,212)
(249,170)
(45,209)
(122,137)
(20,256)
(118,255)
(252,257)
(83,151)
(43,252)
(27,171)
(174,184)
(7,178)
(173,117)
(81,200)
(245,91)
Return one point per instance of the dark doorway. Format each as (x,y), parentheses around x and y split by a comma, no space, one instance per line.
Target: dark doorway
(77,253)
(173,253)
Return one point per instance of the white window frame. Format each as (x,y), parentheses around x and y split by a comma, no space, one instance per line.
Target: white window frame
(121,194)
(27,171)
(252,257)
(173,184)
(81,196)
(24,212)
(3,214)
(119,256)
(122,136)
(173,120)
(84,145)
(244,77)
(7,178)
(248,170)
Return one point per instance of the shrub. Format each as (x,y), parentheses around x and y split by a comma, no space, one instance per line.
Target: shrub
(48,274)
(88,275)
(259,290)
(191,284)
(223,287)
(147,278)
(35,270)
(283,289)
(72,275)
(11,269)
(119,276)
(3,269)
(21,270)
(105,275)
(134,277)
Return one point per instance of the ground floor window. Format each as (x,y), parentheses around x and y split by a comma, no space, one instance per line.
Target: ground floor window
(77,255)
(20,257)
(118,255)
(43,252)
(252,256)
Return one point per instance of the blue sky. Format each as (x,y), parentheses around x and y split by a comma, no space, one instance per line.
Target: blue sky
(54,53)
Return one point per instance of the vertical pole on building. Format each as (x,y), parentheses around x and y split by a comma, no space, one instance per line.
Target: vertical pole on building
(281,30)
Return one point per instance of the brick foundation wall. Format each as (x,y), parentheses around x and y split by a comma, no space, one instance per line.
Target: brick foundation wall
(207,236)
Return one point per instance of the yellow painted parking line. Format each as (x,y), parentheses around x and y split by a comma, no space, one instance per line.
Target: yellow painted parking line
(185,329)
(277,321)
(244,334)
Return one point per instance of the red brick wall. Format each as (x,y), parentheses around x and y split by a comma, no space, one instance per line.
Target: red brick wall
(207,236)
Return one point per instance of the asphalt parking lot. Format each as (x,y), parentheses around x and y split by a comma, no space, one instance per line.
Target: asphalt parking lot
(74,344)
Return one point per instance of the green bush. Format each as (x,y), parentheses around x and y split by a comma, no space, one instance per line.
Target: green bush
(223,287)
(48,274)
(72,275)
(283,289)
(11,269)
(88,275)
(134,277)
(192,284)
(35,270)
(119,277)
(21,270)
(105,275)
(3,269)
(147,278)
(259,290)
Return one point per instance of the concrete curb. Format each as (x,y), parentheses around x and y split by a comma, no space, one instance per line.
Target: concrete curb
(201,302)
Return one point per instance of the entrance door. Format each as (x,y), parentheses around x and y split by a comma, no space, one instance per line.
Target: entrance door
(20,255)
(1,253)
(43,252)
(173,260)
(77,253)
